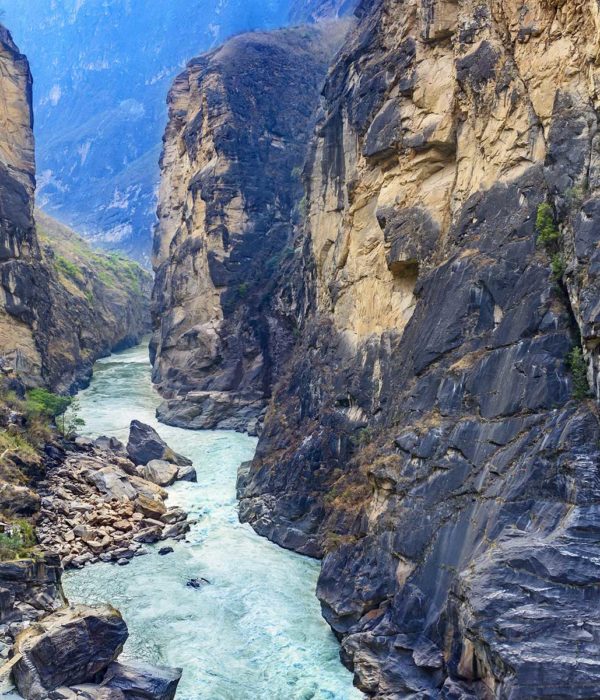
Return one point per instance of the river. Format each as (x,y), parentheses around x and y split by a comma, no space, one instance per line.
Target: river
(254,633)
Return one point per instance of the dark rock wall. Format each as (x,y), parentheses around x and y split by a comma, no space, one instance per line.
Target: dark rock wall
(425,439)
(239,122)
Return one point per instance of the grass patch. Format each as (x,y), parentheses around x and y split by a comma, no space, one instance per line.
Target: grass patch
(18,542)
(67,268)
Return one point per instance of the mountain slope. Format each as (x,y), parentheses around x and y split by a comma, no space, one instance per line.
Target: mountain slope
(100,303)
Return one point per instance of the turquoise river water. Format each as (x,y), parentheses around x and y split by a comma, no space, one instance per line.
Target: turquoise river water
(254,633)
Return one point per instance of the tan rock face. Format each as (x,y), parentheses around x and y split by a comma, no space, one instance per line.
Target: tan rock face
(424,440)
(457,109)
(18,244)
(239,121)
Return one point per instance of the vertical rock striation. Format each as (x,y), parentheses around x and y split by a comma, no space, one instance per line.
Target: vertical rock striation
(423,438)
(239,122)
(18,243)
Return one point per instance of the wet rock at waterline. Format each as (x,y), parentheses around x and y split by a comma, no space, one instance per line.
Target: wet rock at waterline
(187,473)
(87,691)
(70,647)
(146,445)
(141,681)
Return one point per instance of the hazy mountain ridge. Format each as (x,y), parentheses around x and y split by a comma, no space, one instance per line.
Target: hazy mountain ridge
(102,72)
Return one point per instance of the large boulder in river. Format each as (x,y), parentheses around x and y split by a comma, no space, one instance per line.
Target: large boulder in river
(145,444)
(141,681)
(70,647)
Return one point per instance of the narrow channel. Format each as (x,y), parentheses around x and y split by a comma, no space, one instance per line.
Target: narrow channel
(255,631)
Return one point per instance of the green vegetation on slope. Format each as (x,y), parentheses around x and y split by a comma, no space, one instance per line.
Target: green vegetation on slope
(84,271)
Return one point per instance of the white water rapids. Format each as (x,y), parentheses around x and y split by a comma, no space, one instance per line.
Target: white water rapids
(254,633)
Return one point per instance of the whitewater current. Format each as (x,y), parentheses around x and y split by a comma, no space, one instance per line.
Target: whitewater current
(254,632)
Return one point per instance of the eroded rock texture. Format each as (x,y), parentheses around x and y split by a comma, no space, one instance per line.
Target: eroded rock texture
(424,439)
(239,122)
(18,242)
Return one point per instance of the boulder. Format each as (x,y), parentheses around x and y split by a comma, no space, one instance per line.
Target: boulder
(72,646)
(150,507)
(142,681)
(160,472)
(110,444)
(147,488)
(149,536)
(187,473)
(112,482)
(174,515)
(145,445)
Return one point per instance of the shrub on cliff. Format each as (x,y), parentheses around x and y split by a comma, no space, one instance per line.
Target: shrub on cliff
(578,367)
(17,541)
(45,402)
(546,228)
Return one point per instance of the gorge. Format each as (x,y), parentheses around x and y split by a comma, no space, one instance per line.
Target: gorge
(376,255)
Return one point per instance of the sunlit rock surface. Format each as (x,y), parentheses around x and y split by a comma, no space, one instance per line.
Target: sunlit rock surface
(239,122)
(424,440)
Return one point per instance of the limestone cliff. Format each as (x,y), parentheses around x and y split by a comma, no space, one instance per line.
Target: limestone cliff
(239,122)
(18,244)
(431,438)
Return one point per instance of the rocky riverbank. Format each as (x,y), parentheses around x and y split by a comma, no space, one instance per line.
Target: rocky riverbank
(102,501)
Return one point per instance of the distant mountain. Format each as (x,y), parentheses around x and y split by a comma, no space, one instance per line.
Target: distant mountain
(315,10)
(102,70)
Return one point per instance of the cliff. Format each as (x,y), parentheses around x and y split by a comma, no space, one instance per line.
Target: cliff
(102,72)
(433,437)
(19,249)
(239,121)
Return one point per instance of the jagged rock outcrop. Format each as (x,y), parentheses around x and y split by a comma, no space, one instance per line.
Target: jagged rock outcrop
(239,121)
(71,646)
(19,251)
(425,440)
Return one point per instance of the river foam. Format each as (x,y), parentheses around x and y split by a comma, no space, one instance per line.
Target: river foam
(255,631)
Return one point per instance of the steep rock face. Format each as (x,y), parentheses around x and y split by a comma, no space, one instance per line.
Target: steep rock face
(18,243)
(99,303)
(98,172)
(424,439)
(239,121)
